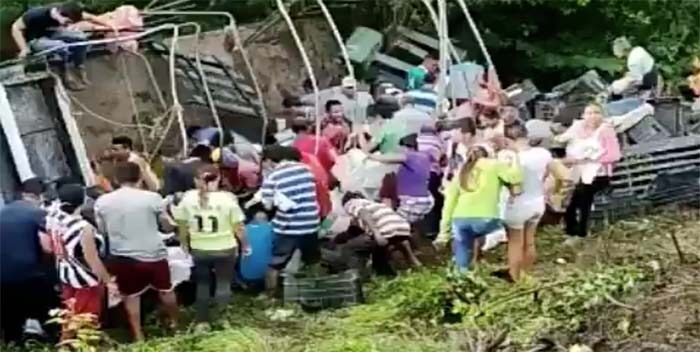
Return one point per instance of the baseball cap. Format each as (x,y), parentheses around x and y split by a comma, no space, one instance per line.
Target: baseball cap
(34,185)
(349,82)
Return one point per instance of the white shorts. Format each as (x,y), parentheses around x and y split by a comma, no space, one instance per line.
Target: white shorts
(523,212)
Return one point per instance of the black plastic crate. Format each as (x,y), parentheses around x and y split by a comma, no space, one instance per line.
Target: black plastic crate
(546,109)
(522,93)
(647,129)
(667,111)
(570,112)
(608,209)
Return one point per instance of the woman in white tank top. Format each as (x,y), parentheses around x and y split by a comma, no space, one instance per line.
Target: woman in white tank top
(524,211)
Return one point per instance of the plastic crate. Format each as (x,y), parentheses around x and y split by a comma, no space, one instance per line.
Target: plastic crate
(569,112)
(608,209)
(647,129)
(546,109)
(321,292)
(668,114)
(522,93)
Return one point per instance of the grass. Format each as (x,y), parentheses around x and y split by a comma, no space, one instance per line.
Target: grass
(435,309)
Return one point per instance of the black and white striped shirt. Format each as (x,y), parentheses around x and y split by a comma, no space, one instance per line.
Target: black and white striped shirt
(389,223)
(66,232)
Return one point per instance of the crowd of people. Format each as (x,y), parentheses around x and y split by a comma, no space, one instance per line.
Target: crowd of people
(455,180)
(461,172)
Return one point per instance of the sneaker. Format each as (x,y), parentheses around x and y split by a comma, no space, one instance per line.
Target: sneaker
(81,73)
(33,327)
(503,275)
(202,328)
(72,83)
(572,241)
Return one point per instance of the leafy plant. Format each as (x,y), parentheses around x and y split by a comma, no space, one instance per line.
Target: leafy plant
(80,332)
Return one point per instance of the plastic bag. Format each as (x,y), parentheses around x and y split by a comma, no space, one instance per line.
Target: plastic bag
(358,174)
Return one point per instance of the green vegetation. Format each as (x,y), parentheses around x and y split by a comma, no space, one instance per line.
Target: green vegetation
(435,309)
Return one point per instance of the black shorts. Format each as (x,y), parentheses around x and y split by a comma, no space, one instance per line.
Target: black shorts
(283,247)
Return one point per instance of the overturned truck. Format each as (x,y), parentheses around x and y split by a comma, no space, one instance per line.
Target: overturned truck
(40,136)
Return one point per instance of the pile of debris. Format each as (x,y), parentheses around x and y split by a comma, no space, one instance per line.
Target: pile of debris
(660,139)
(636,119)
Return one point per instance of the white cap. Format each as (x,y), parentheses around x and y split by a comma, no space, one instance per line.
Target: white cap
(349,82)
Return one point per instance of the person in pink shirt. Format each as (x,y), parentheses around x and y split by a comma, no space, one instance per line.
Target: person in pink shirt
(306,143)
(592,151)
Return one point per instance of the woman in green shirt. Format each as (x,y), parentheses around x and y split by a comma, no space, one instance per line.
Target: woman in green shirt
(210,224)
(471,207)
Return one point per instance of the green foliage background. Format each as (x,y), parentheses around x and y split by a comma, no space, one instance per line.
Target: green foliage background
(547,40)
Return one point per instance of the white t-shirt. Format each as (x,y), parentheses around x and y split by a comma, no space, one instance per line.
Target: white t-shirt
(639,63)
(534,164)
(414,119)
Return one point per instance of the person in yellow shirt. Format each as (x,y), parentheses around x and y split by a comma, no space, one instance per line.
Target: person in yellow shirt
(471,208)
(211,227)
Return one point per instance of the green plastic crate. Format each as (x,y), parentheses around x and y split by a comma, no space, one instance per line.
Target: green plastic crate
(363,45)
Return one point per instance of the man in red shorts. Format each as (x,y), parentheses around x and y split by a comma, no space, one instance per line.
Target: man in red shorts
(130,217)
(76,246)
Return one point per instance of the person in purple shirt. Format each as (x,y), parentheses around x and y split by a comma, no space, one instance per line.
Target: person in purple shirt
(415,200)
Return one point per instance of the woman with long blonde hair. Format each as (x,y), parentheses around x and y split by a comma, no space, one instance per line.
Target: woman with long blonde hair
(471,208)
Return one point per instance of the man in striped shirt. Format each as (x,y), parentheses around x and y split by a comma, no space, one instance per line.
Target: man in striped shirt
(290,188)
(76,245)
(381,223)
(425,98)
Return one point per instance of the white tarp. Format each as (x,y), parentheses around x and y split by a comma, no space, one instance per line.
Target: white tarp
(357,173)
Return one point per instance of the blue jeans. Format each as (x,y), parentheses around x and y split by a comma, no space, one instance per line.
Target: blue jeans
(75,55)
(464,232)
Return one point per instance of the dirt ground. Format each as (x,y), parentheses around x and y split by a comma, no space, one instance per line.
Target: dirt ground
(664,315)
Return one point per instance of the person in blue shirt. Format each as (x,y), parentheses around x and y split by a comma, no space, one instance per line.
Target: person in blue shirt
(25,288)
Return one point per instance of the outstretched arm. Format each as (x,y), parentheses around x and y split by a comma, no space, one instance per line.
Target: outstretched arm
(388,158)
(100,22)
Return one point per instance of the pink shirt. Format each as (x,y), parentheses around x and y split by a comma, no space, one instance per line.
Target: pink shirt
(607,139)
(249,172)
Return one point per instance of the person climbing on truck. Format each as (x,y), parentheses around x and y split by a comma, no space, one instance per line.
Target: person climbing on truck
(641,73)
(46,27)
